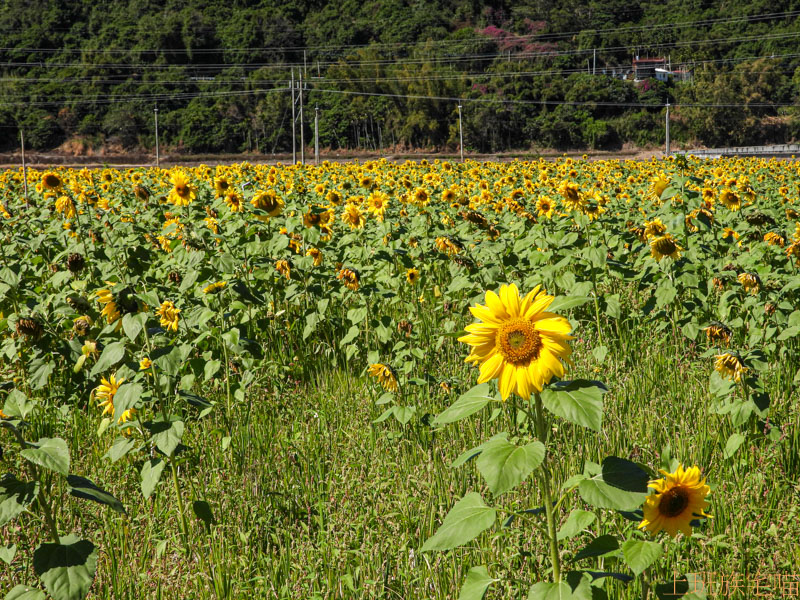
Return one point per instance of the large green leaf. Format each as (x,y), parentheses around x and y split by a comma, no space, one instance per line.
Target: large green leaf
(625,475)
(579,401)
(473,452)
(468,403)
(598,493)
(50,453)
(577,521)
(598,546)
(550,591)
(465,521)
(505,465)
(67,569)
(80,487)
(166,434)
(151,473)
(18,405)
(562,303)
(476,584)
(111,355)
(15,496)
(23,592)
(640,554)
(126,397)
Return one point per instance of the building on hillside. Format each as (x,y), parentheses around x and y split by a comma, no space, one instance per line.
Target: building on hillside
(645,68)
(676,75)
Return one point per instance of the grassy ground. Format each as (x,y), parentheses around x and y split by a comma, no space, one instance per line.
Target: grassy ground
(312,500)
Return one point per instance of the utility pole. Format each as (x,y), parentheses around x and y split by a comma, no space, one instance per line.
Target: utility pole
(158,157)
(594,61)
(667,127)
(460,134)
(302,138)
(316,135)
(294,135)
(24,166)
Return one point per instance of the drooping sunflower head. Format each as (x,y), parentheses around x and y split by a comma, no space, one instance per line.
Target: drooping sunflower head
(284,268)
(518,342)
(665,246)
(750,282)
(385,376)
(730,199)
(169,315)
(215,287)
(730,366)
(718,333)
(52,181)
(654,228)
(105,393)
(350,278)
(679,499)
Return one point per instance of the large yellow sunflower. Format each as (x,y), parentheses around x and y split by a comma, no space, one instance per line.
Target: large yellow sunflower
(182,192)
(518,342)
(678,500)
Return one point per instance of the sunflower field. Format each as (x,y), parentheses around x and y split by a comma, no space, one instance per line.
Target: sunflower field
(432,380)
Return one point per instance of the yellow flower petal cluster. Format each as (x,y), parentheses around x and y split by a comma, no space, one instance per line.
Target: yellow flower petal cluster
(518,342)
(679,499)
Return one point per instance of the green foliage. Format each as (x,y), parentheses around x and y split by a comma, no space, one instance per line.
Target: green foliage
(219,71)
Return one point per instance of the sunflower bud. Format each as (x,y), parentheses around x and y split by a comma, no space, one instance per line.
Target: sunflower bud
(175,277)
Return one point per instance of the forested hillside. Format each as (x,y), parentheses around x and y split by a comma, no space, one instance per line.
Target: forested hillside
(390,73)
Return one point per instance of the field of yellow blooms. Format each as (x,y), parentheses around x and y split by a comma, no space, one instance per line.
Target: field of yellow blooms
(534,380)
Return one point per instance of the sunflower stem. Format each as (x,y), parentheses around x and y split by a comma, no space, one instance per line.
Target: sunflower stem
(541,431)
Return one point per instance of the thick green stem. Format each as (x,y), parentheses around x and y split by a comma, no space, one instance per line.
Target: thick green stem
(541,432)
(181,509)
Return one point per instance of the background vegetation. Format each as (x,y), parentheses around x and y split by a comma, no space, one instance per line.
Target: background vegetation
(90,73)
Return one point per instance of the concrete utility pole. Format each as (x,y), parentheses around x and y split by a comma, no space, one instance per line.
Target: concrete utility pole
(594,61)
(316,135)
(24,166)
(158,157)
(294,135)
(302,138)
(460,134)
(667,127)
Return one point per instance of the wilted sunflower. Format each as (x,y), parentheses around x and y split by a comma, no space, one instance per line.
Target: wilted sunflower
(215,287)
(774,239)
(412,276)
(679,499)
(284,268)
(106,298)
(793,250)
(316,254)
(182,192)
(665,246)
(750,282)
(66,207)
(385,376)
(718,333)
(448,246)
(518,342)
(169,315)
(730,366)
(349,278)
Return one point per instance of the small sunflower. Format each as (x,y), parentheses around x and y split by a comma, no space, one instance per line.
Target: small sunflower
(51,181)
(269,202)
(750,282)
(730,200)
(718,333)
(729,366)
(349,278)
(169,315)
(412,276)
(679,499)
(215,287)
(518,342)
(385,376)
(284,268)
(105,392)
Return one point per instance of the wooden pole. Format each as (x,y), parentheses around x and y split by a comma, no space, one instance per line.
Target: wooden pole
(24,166)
